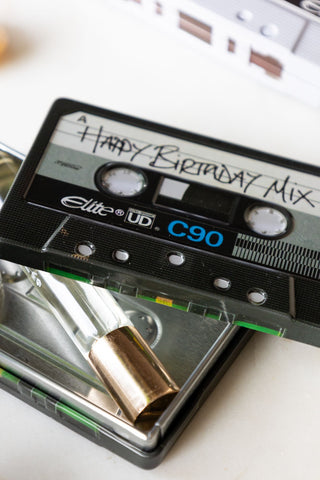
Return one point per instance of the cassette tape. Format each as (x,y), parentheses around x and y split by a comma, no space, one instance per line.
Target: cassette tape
(165,215)
(274,41)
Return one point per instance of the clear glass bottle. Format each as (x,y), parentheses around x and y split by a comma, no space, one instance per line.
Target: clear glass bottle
(105,336)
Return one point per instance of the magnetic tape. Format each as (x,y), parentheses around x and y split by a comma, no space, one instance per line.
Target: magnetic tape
(177,218)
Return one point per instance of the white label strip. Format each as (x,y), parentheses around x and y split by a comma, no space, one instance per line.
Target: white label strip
(188,161)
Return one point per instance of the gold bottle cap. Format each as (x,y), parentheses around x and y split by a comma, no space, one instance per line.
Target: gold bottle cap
(133,374)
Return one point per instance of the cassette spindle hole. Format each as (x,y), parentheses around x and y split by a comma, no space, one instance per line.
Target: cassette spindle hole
(121,180)
(86,249)
(266,220)
(257,296)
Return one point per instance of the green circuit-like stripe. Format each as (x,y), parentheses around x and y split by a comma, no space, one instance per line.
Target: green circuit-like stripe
(8,376)
(164,301)
(63,273)
(258,328)
(61,407)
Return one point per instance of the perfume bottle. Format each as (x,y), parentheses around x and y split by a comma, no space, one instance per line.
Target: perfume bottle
(97,325)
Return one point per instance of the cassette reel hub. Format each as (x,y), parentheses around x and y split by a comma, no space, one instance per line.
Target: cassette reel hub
(122,181)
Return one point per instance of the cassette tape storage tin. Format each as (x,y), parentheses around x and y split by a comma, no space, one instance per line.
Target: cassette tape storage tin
(165,215)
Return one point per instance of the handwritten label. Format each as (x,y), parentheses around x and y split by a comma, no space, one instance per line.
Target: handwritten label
(109,140)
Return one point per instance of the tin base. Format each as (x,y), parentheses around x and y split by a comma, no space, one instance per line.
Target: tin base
(41,366)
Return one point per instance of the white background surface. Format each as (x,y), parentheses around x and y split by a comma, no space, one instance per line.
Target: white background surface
(263,420)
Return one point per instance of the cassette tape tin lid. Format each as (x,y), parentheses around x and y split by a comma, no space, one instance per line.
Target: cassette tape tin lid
(167,215)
